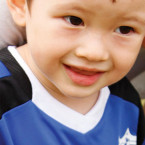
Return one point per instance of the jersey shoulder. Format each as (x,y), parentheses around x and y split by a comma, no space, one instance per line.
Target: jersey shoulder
(125,90)
(15,87)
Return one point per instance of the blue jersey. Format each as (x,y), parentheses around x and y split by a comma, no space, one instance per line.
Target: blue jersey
(27,125)
(24,123)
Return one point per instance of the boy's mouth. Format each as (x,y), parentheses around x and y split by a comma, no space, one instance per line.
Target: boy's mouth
(82,76)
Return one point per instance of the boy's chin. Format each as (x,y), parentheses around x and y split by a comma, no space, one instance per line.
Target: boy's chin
(79,92)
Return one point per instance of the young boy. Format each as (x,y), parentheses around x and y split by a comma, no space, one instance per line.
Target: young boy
(53,89)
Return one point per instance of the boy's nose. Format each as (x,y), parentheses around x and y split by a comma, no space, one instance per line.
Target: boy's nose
(93,49)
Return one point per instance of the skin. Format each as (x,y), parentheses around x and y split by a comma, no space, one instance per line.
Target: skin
(106,42)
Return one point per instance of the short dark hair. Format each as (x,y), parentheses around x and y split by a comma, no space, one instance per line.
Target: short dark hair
(29,3)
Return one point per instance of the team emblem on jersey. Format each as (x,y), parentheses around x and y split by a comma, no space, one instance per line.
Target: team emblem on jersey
(128,139)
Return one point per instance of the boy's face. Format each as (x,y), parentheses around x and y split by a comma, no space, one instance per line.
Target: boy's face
(79,46)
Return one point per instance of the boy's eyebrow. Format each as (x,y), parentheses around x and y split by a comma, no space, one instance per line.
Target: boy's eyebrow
(73,6)
(135,19)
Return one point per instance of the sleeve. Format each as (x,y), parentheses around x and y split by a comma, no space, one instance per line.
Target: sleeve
(15,87)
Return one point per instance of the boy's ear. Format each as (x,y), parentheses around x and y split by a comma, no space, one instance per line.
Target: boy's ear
(18,10)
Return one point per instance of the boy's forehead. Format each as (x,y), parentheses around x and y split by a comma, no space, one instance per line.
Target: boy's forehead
(100,1)
(101,5)
(93,4)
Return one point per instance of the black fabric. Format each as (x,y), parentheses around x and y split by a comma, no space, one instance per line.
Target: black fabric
(125,90)
(15,89)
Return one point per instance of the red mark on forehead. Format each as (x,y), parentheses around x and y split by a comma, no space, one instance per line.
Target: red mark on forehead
(113,1)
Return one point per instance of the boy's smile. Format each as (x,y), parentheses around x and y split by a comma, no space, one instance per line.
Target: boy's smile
(76,47)
(83,76)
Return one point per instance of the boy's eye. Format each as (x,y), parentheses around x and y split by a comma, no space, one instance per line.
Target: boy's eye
(74,20)
(124,30)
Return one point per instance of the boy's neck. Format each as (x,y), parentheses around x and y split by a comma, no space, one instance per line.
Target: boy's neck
(80,105)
